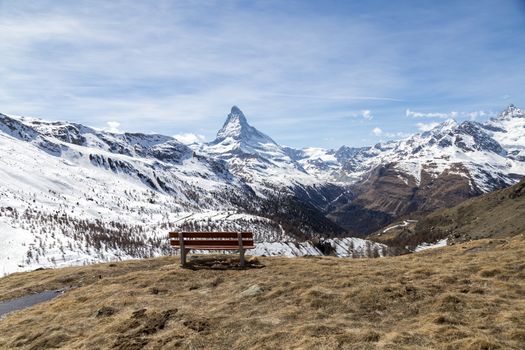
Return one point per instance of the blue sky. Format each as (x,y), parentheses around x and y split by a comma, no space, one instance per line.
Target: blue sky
(319,73)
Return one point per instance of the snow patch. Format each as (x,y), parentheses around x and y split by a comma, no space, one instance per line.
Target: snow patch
(425,246)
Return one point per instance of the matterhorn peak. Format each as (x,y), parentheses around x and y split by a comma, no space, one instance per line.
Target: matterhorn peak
(236,126)
(236,111)
(237,133)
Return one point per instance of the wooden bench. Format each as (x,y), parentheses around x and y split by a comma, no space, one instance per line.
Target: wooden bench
(211,241)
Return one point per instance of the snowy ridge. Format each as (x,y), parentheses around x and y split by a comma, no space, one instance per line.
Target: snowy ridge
(508,129)
(491,154)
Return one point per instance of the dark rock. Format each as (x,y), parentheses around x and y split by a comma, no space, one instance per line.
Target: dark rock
(106,311)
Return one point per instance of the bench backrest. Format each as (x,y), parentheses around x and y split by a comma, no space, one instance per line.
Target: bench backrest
(212,240)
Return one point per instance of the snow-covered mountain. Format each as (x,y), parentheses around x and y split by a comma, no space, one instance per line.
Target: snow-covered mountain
(73,194)
(508,130)
(492,152)
(259,162)
(426,171)
(254,156)
(344,165)
(70,193)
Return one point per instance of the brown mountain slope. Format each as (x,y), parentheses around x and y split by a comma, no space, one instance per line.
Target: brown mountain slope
(499,213)
(387,195)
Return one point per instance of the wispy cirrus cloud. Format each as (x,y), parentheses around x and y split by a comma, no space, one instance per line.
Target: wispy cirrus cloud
(173,66)
(342,97)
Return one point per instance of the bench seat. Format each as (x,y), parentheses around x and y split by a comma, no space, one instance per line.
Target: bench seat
(189,246)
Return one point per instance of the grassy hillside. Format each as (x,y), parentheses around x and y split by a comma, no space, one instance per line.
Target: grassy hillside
(499,213)
(468,296)
(495,214)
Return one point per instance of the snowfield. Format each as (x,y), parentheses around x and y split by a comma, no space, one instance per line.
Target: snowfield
(425,246)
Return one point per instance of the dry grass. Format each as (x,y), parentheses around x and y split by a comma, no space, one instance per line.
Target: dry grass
(470,296)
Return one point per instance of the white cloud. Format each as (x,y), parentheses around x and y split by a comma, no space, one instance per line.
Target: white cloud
(112,127)
(471,115)
(474,115)
(427,126)
(397,135)
(364,113)
(413,114)
(367,114)
(189,138)
(377,131)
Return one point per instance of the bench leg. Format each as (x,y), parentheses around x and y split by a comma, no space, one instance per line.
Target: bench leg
(183,253)
(241,254)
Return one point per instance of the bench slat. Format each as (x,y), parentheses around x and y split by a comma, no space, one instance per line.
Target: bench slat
(218,248)
(205,247)
(213,243)
(210,234)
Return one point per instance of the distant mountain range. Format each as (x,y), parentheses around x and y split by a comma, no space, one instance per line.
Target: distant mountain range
(363,189)
(69,192)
